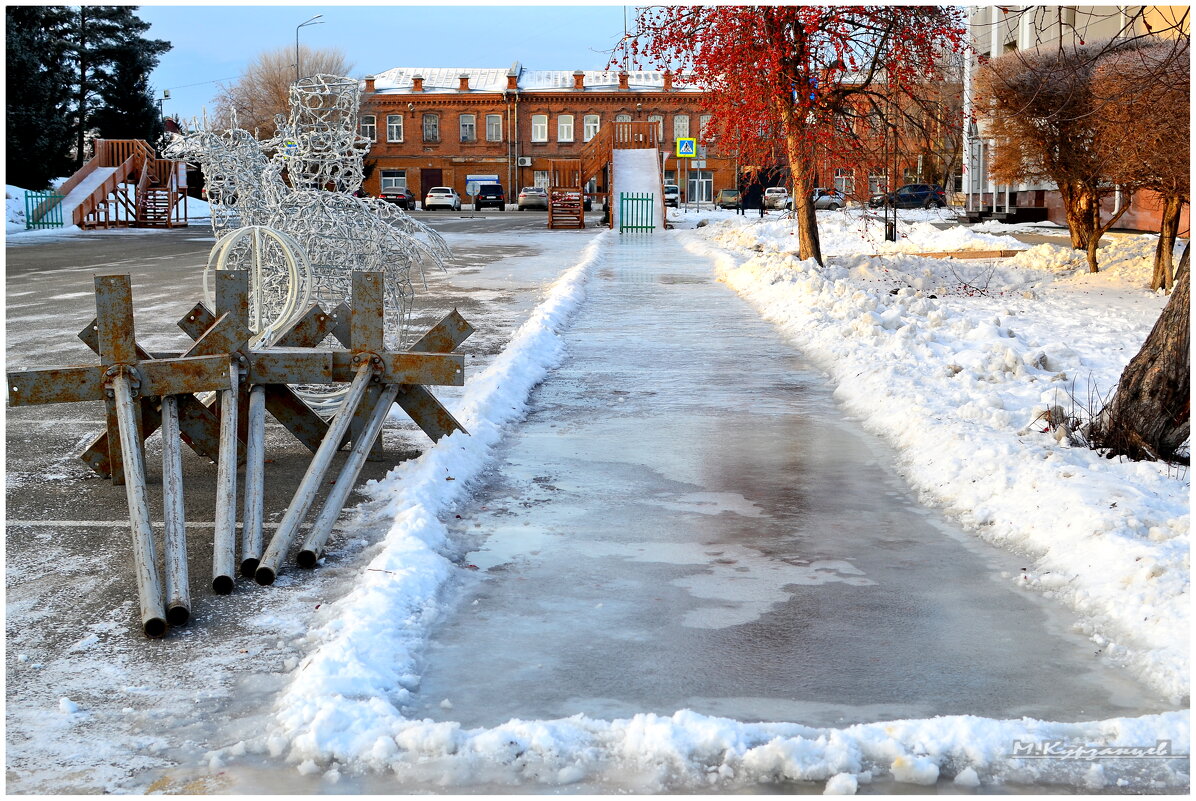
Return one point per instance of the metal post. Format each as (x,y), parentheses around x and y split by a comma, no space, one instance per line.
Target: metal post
(149,587)
(313,546)
(305,495)
(178,594)
(255,456)
(224,539)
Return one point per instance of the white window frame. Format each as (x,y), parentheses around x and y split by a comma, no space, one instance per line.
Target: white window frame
(470,120)
(493,127)
(539,127)
(878,182)
(540,178)
(680,126)
(659,120)
(591,124)
(434,118)
(393,179)
(844,181)
(394,127)
(369,127)
(622,118)
(564,128)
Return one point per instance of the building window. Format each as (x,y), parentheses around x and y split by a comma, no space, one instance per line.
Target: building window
(493,127)
(540,177)
(394,179)
(369,127)
(659,120)
(704,125)
(539,127)
(670,176)
(622,118)
(431,127)
(591,123)
(394,127)
(878,182)
(844,182)
(564,128)
(680,126)
(469,128)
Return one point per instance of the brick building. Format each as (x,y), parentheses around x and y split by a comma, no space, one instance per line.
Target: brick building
(435,127)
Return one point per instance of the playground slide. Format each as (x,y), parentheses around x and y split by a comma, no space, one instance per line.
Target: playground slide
(637,171)
(83,190)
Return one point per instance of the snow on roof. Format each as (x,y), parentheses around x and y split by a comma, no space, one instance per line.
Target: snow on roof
(445,79)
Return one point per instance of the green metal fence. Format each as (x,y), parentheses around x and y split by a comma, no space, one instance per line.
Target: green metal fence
(636,212)
(43,210)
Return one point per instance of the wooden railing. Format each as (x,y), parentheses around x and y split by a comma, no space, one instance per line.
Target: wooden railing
(114,152)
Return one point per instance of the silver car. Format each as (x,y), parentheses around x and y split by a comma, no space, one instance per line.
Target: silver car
(828,199)
(532,197)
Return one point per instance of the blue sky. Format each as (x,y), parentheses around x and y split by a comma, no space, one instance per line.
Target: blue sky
(214,43)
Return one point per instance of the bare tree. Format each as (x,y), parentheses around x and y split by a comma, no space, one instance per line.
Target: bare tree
(1144,131)
(262,92)
(1149,416)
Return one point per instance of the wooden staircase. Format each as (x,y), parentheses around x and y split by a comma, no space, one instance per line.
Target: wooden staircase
(157,200)
(598,154)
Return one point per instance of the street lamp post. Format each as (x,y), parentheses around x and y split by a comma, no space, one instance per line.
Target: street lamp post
(311,21)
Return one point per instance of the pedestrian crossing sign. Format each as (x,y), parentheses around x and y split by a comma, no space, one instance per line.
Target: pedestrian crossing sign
(687,147)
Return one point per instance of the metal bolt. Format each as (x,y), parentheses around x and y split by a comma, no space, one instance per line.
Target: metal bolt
(377,360)
(110,371)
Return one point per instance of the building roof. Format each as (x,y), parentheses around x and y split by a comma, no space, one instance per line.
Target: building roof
(446,80)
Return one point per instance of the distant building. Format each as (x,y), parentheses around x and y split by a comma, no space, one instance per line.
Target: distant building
(997,30)
(435,127)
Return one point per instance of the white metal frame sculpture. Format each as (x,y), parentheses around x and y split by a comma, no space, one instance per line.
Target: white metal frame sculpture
(305,189)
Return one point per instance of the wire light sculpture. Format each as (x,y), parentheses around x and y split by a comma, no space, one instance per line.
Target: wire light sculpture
(302,183)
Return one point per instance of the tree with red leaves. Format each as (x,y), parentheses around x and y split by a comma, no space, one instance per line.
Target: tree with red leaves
(793,82)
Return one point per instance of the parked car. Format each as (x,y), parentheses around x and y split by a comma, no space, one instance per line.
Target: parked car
(490,195)
(672,195)
(828,199)
(442,197)
(911,196)
(533,197)
(727,199)
(777,197)
(402,197)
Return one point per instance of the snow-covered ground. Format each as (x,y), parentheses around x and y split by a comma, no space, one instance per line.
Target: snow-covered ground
(951,361)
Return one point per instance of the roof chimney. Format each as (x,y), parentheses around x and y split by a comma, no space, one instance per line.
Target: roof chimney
(512,79)
(463,80)
(668,81)
(417,83)
(623,80)
(579,80)
(369,83)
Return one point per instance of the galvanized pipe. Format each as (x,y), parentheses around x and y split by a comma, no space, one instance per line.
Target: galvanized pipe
(313,546)
(255,480)
(305,495)
(224,538)
(149,587)
(178,594)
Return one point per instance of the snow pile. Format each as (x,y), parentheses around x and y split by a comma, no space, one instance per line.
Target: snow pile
(854,232)
(343,700)
(958,383)
(1128,258)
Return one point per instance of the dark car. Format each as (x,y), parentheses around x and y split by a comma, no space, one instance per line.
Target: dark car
(490,195)
(727,199)
(911,196)
(403,197)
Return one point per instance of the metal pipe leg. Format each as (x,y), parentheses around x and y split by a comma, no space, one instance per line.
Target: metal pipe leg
(255,477)
(313,546)
(178,594)
(224,539)
(309,486)
(149,587)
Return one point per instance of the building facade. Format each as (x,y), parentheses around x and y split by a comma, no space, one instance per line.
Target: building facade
(442,127)
(998,30)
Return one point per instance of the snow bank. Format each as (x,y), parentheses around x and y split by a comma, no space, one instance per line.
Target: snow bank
(343,701)
(953,362)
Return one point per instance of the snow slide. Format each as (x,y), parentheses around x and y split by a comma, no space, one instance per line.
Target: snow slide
(83,191)
(637,171)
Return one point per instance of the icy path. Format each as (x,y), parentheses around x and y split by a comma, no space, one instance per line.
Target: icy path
(686,521)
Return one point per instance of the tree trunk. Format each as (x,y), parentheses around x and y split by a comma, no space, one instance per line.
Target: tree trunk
(1082,207)
(800,170)
(1149,416)
(1168,230)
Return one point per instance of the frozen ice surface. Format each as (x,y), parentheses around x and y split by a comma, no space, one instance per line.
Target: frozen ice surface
(692,524)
